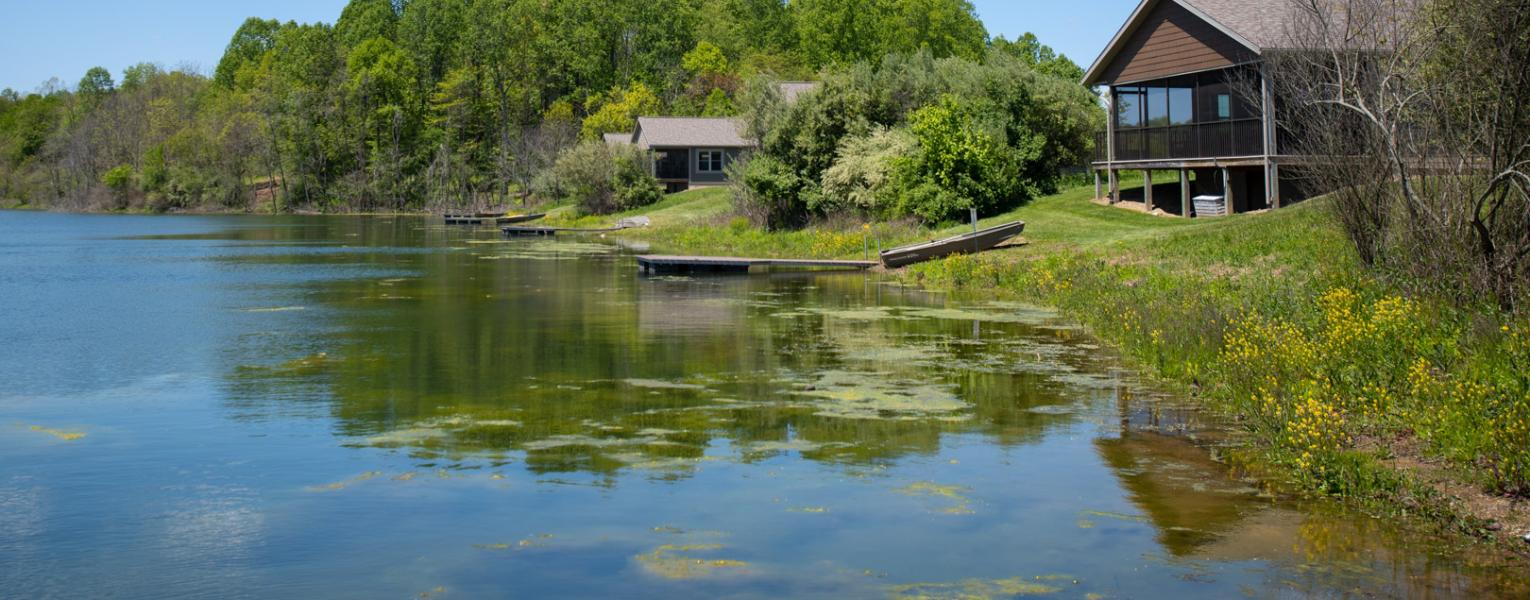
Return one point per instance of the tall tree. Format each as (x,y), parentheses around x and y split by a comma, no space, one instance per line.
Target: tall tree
(251,41)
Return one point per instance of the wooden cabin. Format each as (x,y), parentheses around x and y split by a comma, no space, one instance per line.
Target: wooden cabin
(691,151)
(1186,91)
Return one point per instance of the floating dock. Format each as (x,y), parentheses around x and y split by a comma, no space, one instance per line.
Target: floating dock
(656,264)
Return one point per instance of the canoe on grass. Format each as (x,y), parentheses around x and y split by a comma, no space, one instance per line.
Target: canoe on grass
(970,242)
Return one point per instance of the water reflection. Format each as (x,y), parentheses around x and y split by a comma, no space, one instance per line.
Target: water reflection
(358,407)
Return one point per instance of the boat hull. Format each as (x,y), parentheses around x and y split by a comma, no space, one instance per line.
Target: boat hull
(971,242)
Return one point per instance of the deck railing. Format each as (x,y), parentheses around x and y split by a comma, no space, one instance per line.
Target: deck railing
(1241,137)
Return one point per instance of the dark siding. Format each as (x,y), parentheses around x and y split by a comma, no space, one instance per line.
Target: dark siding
(699,176)
(1172,41)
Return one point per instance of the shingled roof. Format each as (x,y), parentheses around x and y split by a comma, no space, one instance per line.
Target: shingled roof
(689,132)
(1259,25)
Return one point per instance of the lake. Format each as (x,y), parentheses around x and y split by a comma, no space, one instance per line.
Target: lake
(375,407)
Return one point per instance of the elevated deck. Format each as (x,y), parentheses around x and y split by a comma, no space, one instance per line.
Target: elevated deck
(720,264)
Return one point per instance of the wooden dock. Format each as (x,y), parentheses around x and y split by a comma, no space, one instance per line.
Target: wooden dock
(655,264)
(521,231)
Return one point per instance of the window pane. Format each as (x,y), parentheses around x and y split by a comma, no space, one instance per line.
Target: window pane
(1181,105)
(1128,108)
(1157,106)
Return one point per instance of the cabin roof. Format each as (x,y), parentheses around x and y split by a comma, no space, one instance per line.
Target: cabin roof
(1258,25)
(689,132)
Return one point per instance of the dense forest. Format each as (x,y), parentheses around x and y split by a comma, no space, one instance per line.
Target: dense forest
(419,104)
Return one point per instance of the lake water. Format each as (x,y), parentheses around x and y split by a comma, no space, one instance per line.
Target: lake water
(317,407)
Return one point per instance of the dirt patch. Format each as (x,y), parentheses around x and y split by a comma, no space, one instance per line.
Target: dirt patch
(1507,517)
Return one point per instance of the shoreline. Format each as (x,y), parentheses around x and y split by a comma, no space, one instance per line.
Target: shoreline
(1277,266)
(1126,277)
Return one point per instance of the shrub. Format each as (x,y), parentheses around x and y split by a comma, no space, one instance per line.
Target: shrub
(1003,142)
(958,166)
(602,179)
(767,191)
(119,178)
(862,173)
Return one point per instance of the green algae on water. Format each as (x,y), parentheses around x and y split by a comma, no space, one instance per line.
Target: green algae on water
(682,561)
(854,395)
(952,493)
(972,589)
(68,436)
(657,384)
(340,485)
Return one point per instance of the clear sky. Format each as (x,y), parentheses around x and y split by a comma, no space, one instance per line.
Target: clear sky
(40,39)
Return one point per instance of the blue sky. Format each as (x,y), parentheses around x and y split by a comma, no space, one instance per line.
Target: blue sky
(40,39)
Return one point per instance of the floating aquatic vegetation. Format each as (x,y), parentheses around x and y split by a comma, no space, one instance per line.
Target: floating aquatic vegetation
(680,561)
(902,354)
(434,592)
(973,589)
(340,485)
(67,436)
(536,541)
(871,313)
(1115,515)
(961,505)
(275,309)
(811,510)
(854,395)
(957,314)
(433,430)
(657,384)
(795,445)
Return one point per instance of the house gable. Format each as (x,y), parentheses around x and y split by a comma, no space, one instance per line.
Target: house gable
(1165,38)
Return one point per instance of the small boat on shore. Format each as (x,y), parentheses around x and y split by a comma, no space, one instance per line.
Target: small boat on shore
(971,242)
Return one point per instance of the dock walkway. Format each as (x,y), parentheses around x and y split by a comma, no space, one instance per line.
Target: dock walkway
(723,264)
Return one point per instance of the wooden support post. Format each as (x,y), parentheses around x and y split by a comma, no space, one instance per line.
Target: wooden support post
(1184,194)
(1096,185)
(1115,186)
(1227,190)
(1271,138)
(1147,190)
(1274,179)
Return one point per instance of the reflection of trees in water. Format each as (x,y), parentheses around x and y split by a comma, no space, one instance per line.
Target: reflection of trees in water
(1202,513)
(580,365)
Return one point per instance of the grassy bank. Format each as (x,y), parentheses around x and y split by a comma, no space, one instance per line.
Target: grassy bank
(1346,387)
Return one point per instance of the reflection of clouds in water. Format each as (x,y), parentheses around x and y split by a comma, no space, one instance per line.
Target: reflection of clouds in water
(214,532)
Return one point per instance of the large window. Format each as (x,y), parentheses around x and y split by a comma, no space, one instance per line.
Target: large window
(709,161)
(1157,106)
(1182,102)
(1129,107)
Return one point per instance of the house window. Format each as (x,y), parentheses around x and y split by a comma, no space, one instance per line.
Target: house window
(1224,106)
(1129,107)
(709,161)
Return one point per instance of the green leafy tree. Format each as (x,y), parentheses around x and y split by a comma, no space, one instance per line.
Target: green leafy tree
(95,86)
(619,111)
(363,20)
(942,27)
(251,41)
(1040,57)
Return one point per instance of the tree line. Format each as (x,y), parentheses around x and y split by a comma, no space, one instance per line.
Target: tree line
(414,104)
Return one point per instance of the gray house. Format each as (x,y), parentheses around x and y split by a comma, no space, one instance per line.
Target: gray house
(691,151)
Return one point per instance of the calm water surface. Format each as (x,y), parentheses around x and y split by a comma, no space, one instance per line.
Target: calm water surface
(241,407)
